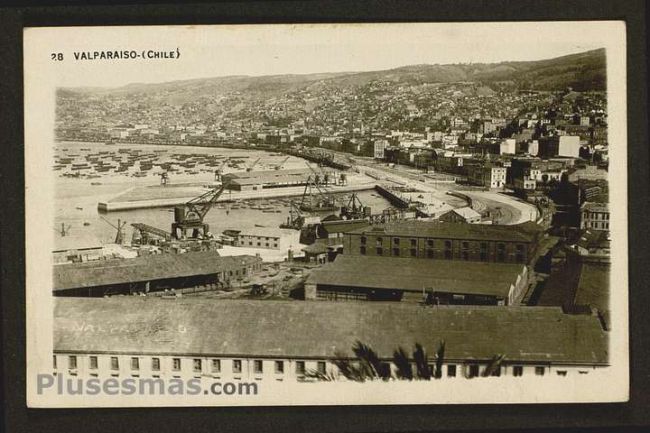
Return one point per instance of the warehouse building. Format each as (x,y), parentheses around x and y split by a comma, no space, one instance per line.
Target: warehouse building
(413,280)
(245,340)
(446,241)
(152,273)
(258,180)
(264,237)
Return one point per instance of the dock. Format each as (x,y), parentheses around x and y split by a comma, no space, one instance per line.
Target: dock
(161,196)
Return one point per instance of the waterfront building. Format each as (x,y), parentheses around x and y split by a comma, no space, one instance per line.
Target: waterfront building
(153,274)
(488,175)
(412,280)
(264,237)
(258,180)
(430,240)
(246,340)
(380,147)
(461,215)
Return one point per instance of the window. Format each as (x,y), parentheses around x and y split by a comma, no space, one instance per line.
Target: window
(484,252)
(497,371)
(216,366)
(321,367)
(430,243)
(430,254)
(155,364)
(448,250)
(451,370)
(561,372)
(300,367)
(414,252)
(396,241)
(539,371)
(176,364)
(135,364)
(362,250)
(54,361)
(258,366)
(236,366)
(197,365)
(473,370)
(279,367)
(93,362)
(380,251)
(363,240)
(72,362)
(520,253)
(414,243)
(396,251)
(115,364)
(518,370)
(501,252)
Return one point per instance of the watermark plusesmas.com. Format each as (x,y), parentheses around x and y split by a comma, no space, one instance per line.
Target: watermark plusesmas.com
(49,383)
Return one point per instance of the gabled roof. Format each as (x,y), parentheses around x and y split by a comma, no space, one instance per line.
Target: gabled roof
(307,330)
(412,274)
(525,232)
(144,268)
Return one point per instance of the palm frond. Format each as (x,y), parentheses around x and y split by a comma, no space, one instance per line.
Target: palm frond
(494,364)
(421,363)
(404,370)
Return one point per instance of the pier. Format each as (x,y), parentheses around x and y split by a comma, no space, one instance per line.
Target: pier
(133,199)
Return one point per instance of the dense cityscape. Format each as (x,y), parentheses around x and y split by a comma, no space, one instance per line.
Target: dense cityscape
(475,193)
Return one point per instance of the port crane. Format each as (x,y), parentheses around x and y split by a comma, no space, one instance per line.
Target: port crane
(314,197)
(190,216)
(164,177)
(279,166)
(250,166)
(354,209)
(64,230)
(295,220)
(218,173)
(119,236)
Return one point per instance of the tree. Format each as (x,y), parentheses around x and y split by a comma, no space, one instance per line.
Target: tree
(493,366)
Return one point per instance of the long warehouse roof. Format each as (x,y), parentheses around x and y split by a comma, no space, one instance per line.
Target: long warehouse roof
(304,329)
(450,276)
(145,268)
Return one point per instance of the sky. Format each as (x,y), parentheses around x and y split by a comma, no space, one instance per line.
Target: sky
(211,51)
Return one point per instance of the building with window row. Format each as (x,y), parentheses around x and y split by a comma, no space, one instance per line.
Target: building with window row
(446,241)
(252,340)
(412,280)
(594,216)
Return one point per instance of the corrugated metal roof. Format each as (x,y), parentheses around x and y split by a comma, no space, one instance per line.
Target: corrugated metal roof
(450,276)
(303,329)
(145,268)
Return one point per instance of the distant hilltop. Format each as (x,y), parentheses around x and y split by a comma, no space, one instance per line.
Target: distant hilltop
(583,72)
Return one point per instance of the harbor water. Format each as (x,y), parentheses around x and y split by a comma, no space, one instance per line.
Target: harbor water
(87,173)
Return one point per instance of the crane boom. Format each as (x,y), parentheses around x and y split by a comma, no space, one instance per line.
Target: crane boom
(199,206)
(190,216)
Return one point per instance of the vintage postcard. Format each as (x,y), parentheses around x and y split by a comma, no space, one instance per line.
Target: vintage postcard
(327,214)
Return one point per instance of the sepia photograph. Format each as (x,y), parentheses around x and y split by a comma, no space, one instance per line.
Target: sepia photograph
(241,215)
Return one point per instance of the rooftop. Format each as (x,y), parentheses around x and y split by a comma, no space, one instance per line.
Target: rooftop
(413,274)
(525,232)
(144,268)
(302,329)
(466,212)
